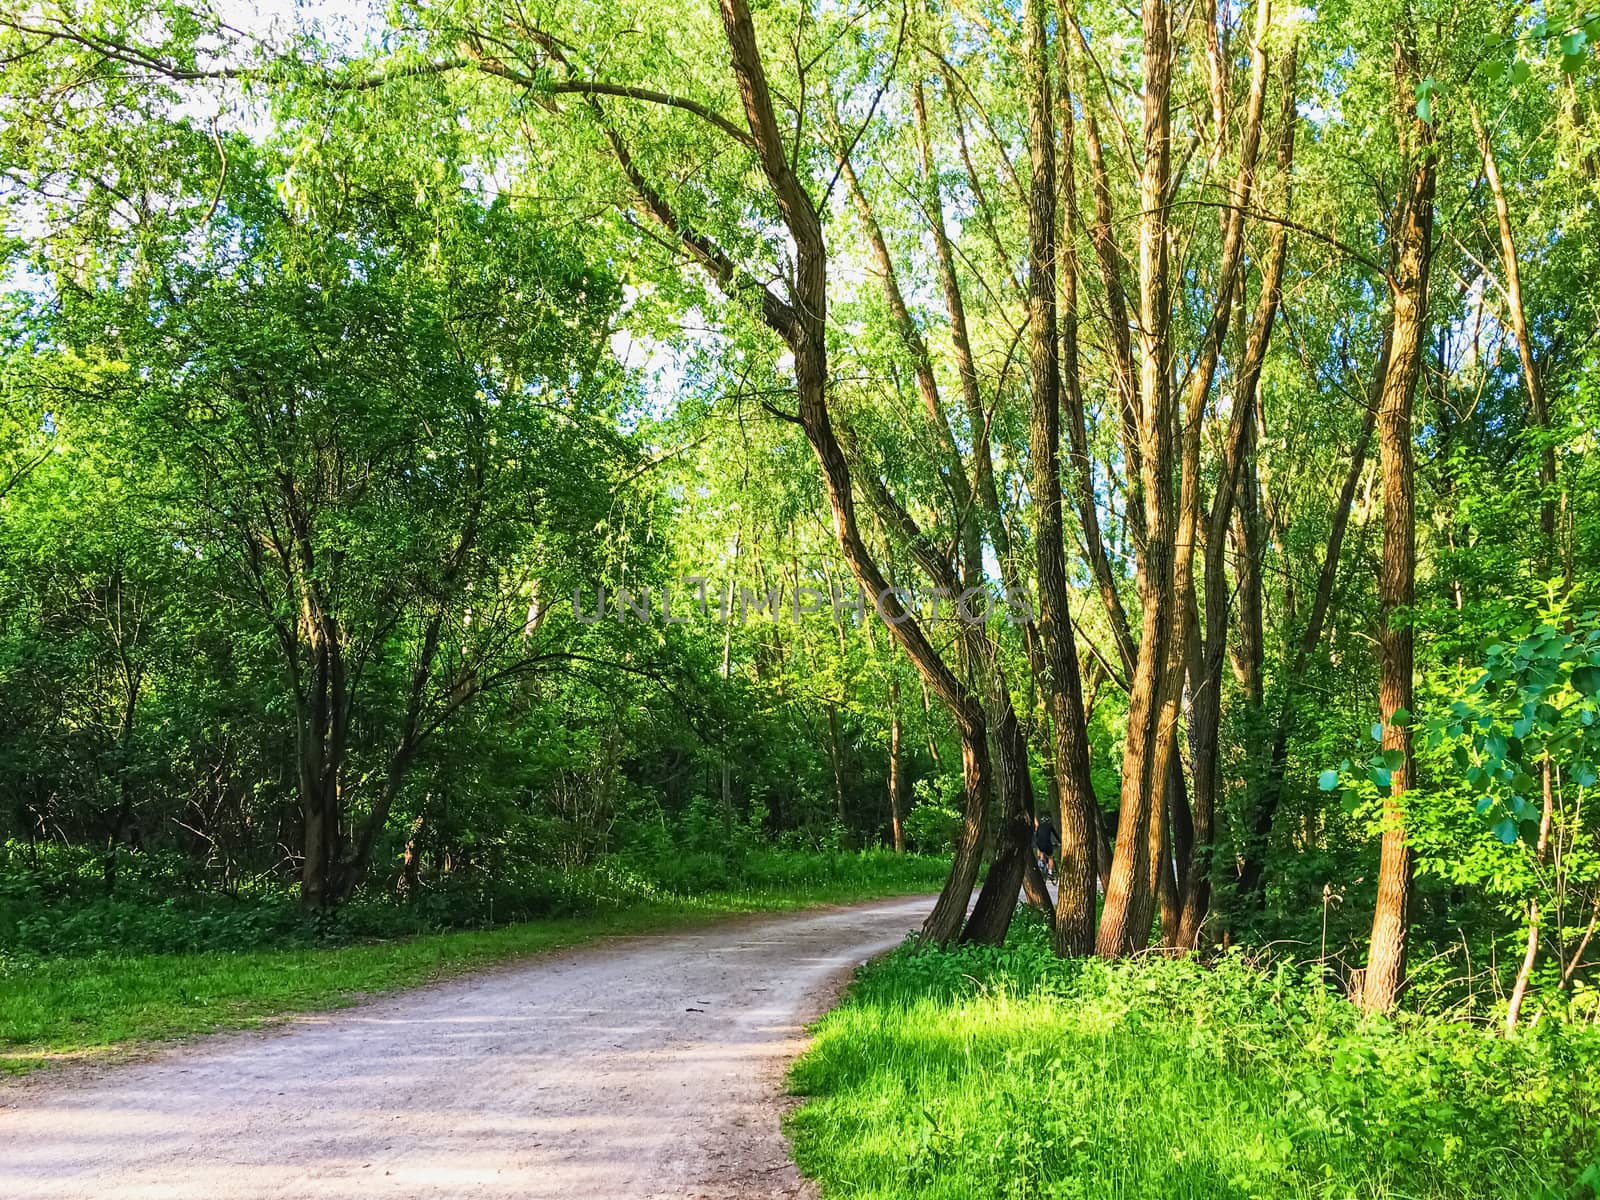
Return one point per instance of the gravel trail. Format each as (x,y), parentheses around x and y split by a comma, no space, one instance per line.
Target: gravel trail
(637,1067)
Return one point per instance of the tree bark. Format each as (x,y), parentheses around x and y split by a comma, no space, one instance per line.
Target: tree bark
(836,764)
(1141,833)
(1062,683)
(1386,961)
(997,899)
(1205,676)
(802,323)
(897,778)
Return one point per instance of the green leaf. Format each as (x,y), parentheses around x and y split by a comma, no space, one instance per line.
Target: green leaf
(1394,759)
(1328,781)
(1587,680)
(1506,830)
(1377,731)
(1401,717)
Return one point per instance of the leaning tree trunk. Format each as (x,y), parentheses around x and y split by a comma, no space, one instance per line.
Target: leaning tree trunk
(1386,962)
(801,320)
(950,910)
(1013,844)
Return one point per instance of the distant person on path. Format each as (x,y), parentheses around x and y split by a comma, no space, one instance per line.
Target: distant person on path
(1044,844)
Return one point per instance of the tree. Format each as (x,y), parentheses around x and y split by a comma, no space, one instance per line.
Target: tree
(1413,248)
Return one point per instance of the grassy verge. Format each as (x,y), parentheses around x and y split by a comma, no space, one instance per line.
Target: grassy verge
(62,1008)
(1004,1073)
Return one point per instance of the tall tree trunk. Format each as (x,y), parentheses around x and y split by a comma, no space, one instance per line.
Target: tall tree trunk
(1207,653)
(801,320)
(1185,534)
(836,763)
(1075,868)
(1141,832)
(1386,961)
(997,901)
(897,775)
(1538,406)
(799,317)
(1252,874)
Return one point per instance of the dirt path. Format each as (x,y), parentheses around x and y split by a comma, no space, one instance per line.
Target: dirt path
(642,1067)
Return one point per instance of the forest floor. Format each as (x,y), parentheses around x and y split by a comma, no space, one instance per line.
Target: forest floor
(647,1066)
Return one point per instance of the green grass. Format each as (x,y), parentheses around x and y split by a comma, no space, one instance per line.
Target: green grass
(1004,1073)
(57,1009)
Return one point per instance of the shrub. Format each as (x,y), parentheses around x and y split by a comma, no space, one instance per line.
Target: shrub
(935,819)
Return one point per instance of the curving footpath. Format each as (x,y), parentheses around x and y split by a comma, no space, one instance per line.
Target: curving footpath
(636,1067)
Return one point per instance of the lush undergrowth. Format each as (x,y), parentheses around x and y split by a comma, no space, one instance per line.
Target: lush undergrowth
(85,976)
(1007,1073)
(63,902)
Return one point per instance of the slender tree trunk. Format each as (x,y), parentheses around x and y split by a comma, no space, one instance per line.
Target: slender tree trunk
(1062,682)
(1173,841)
(897,780)
(411,862)
(1538,406)
(1250,656)
(726,673)
(836,762)
(1519,990)
(801,320)
(1141,842)
(1205,664)
(1386,962)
